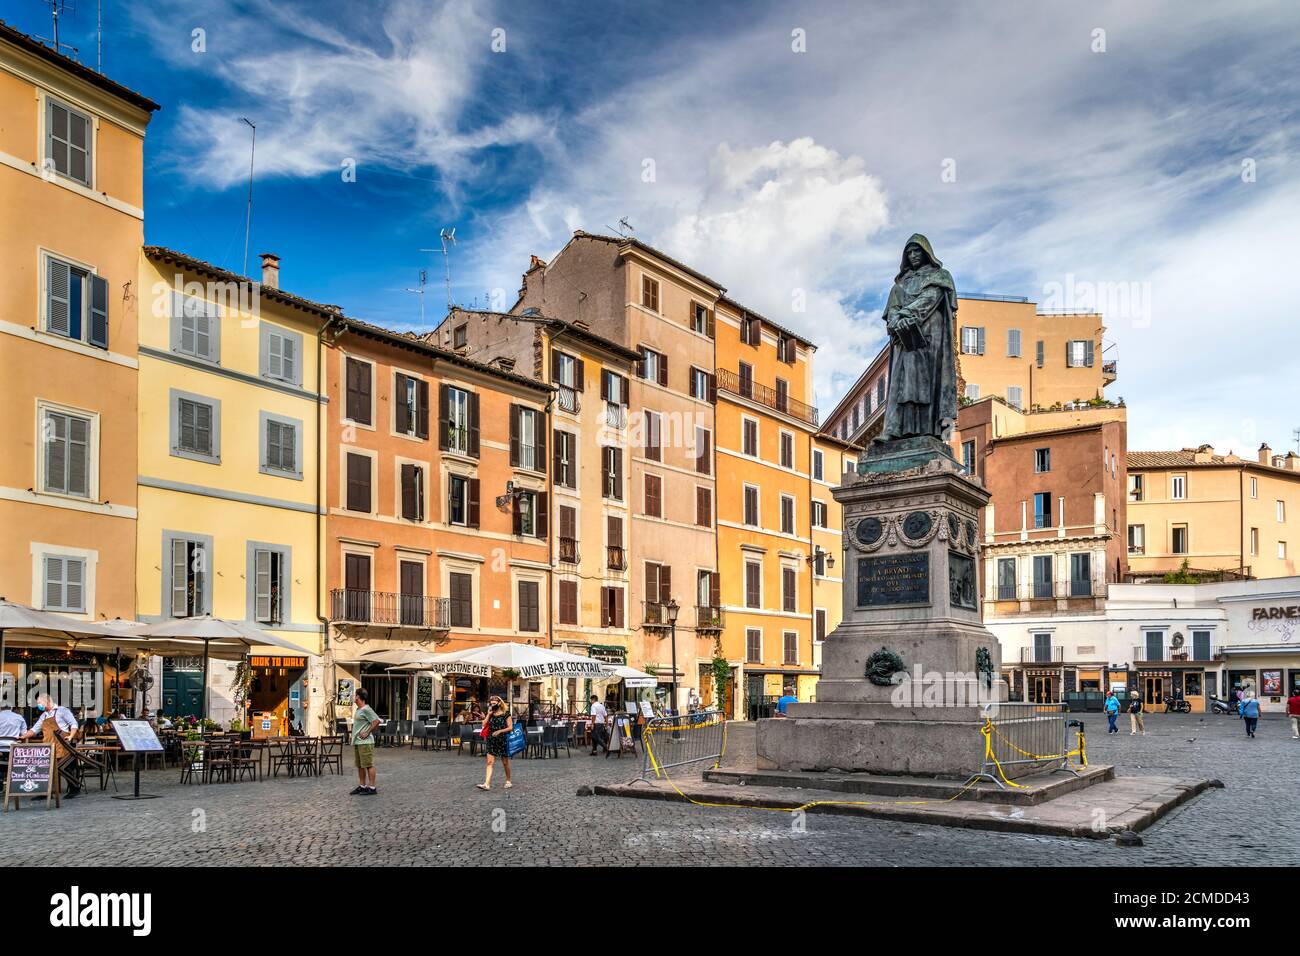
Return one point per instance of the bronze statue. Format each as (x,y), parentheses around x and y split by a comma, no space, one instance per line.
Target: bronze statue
(920,317)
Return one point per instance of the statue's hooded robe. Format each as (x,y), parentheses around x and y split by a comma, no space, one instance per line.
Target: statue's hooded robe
(920,316)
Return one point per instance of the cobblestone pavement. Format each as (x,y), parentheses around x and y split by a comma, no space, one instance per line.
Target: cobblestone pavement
(428,812)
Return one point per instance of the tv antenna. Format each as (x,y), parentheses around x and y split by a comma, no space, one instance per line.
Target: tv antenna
(624,227)
(57,8)
(248,220)
(447,236)
(424,278)
(1295,437)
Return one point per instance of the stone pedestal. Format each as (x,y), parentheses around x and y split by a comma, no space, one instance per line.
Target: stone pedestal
(911,597)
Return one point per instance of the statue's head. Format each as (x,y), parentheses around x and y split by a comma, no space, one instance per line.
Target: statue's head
(914,255)
(917,253)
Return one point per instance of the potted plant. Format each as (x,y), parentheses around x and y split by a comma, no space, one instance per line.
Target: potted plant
(237,726)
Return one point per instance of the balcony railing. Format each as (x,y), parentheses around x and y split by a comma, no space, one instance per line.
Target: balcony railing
(1042,655)
(708,618)
(1006,592)
(655,614)
(615,558)
(1167,652)
(387,608)
(615,415)
(747,388)
(1043,589)
(568,550)
(567,399)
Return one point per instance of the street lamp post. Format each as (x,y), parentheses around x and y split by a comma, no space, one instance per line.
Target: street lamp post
(673,609)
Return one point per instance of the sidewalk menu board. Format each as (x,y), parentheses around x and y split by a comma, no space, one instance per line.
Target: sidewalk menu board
(137,736)
(32,774)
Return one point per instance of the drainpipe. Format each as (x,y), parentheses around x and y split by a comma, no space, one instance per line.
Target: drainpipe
(325,329)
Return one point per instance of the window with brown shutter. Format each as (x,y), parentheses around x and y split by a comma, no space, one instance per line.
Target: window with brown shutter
(403,388)
(473,425)
(461,599)
(782,395)
(473,503)
(529,606)
(753,584)
(565,465)
(715,589)
(412,492)
(568,602)
(654,496)
(653,450)
(357,375)
(611,472)
(703,507)
(358,496)
(787,515)
(650,293)
(703,451)
(751,506)
(789,594)
(611,607)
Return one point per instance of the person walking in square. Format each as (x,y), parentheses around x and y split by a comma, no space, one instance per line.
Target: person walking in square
(364,722)
(599,731)
(499,723)
(1293,711)
(1136,722)
(1112,713)
(1250,713)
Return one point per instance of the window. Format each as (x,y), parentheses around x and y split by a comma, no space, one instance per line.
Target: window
(1080,575)
(787,450)
(1254,541)
(1043,576)
(745,375)
(749,437)
(410,406)
(1006,579)
(410,583)
(68,137)
(751,506)
(358,399)
(650,293)
(880,390)
(1137,539)
(1015,396)
(789,590)
(616,559)
(1043,510)
(1254,487)
(1179,539)
(64,586)
(787,514)
(458,421)
(195,426)
(186,578)
(611,472)
(782,395)
(968,456)
(611,607)
(701,320)
(1281,510)
(753,584)
(76,303)
(753,645)
(267,573)
(281,451)
(790,640)
(412,485)
(358,483)
(281,354)
(566,459)
(1038,353)
(1281,550)
(701,384)
(460,336)
(1042,460)
(703,507)
(654,496)
(195,328)
(529,606)
(462,501)
(653,366)
(1013,343)
(653,449)
(817,514)
(818,465)
(529,514)
(972,340)
(527,439)
(703,450)
(751,330)
(568,610)
(972,391)
(568,534)
(658,591)
(1201,646)
(356,587)
(819,624)
(1135,487)
(786,349)
(461,598)
(67,465)
(1079,353)
(1178,487)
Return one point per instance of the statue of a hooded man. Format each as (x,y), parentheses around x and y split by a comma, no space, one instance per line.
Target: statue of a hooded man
(920,317)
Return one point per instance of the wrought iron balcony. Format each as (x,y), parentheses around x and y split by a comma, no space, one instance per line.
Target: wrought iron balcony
(746,388)
(1143,653)
(1109,372)
(708,618)
(615,415)
(567,399)
(655,614)
(569,551)
(354,606)
(615,558)
(1042,655)
(1044,589)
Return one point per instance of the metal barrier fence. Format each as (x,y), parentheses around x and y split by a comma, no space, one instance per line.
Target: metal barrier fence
(669,742)
(1026,735)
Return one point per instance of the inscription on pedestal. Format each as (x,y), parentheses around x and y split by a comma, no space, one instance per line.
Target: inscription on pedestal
(894,579)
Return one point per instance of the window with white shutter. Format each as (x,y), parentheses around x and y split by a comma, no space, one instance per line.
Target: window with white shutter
(76,303)
(186,576)
(281,354)
(281,446)
(196,328)
(64,584)
(66,458)
(68,137)
(268,572)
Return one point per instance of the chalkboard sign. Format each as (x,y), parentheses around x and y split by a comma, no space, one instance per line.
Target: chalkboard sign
(137,736)
(32,774)
(424,694)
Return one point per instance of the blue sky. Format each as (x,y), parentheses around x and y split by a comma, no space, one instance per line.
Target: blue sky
(1037,153)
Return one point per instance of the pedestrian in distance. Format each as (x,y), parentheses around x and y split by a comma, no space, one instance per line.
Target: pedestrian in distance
(499,723)
(1250,713)
(599,730)
(1293,711)
(364,723)
(1136,722)
(1112,713)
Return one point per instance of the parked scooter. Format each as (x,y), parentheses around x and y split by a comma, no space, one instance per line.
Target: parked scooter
(1177,705)
(1220,706)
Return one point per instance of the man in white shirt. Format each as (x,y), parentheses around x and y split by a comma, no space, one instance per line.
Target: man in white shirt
(11,725)
(67,723)
(599,732)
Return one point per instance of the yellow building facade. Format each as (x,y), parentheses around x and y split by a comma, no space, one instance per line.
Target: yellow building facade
(229,477)
(832,457)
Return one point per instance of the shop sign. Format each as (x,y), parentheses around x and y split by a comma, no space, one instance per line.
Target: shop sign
(609,653)
(278,661)
(1275,613)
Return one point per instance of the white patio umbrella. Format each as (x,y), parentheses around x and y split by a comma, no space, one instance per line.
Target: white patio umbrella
(531,662)
(399,657)
(44,627)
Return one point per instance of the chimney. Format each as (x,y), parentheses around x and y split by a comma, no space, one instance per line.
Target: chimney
(1265,454)
(270,270)
(1203,454)
(535,263)
(504,363)
(1293,461)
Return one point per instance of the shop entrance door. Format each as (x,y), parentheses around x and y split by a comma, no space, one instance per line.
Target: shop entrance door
(182,690)
(1042,689)
(1153,691)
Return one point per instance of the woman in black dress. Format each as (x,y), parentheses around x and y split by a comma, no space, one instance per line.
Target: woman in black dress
(499,724)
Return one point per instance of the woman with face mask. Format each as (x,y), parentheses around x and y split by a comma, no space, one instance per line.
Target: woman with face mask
(499,725)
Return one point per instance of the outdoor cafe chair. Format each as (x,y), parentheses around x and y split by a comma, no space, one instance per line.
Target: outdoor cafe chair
(282,755)
(305,756)
(246,759)
(219,761)
(536,736)
(441,736)
(191,757)
(331,754)
(421,733)
(469,734)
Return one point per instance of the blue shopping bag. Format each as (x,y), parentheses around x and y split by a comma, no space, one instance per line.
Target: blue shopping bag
(516,740)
